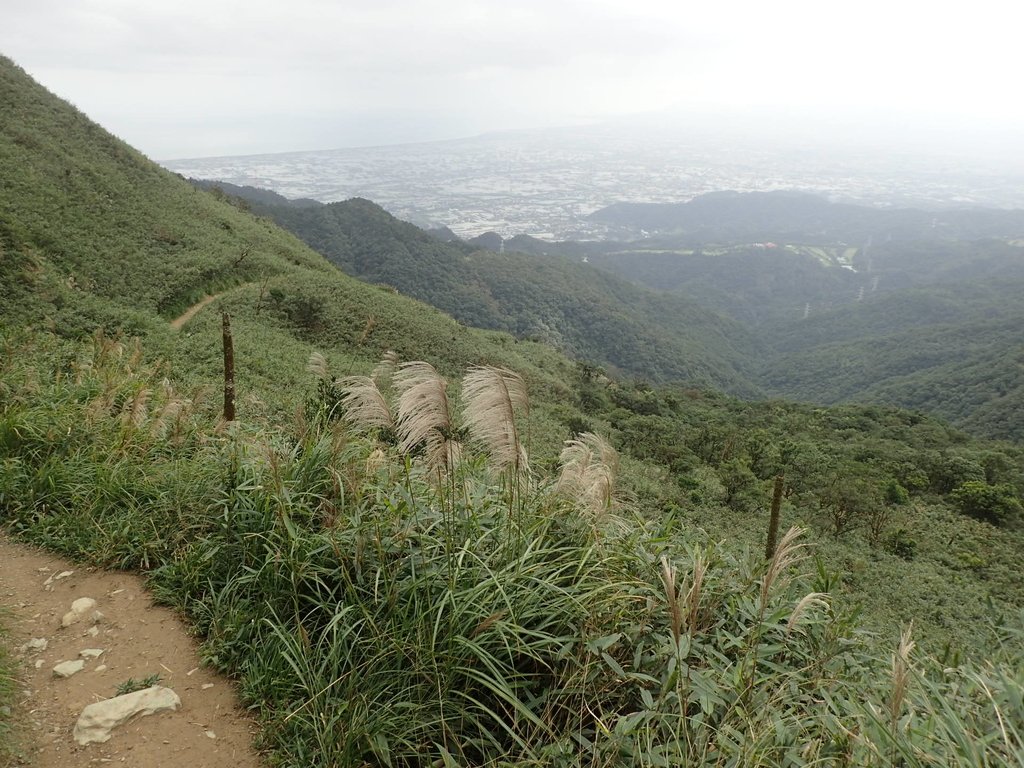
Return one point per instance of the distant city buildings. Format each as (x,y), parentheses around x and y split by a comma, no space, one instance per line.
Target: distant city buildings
(546,183)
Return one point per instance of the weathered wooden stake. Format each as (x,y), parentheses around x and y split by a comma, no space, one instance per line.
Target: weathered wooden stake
(773,520)
(229,369)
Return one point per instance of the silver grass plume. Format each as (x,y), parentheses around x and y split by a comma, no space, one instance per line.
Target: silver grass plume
(900,675)
(808,601)
(424,414)
(134,411)
(668,581)
(589,469)
(787,554)
(385,369)
(317,365)
(691,600)
(364,404)
(171,410)
(491,398)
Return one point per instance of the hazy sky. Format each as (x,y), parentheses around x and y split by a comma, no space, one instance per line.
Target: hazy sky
(188,78)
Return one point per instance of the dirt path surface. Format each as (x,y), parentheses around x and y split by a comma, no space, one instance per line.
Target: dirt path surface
(138,640)
(192,311)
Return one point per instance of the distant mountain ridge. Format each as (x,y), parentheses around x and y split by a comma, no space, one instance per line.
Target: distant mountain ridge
(789,216)
(918,317)
(588,314)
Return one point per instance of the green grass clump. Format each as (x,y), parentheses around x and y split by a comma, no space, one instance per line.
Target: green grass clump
(131,685)
(380,609)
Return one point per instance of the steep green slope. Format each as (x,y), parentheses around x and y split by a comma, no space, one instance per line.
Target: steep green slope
(93,235)
(586,313)
(92,213)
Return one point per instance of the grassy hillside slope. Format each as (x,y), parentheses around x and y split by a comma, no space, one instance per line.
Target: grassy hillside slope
(93,234)
(381,606)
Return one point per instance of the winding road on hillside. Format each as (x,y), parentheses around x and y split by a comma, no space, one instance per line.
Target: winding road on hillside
(138,640)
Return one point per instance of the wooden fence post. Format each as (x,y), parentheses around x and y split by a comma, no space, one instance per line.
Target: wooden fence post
(229,369)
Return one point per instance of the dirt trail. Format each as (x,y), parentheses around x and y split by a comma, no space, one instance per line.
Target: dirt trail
(192,311)
(138,639)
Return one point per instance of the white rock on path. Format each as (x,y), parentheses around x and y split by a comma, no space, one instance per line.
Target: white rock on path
(48,584)
(100,718)
(35,645)
(68,668)
(79,609)
(90,653)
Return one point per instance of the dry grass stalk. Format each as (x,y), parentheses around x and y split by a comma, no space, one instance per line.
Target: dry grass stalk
(364,404)
(168,413)
(385,369)
(900,674)
(808,601)
(424,414)
(135,358)
(491,398)
(134,411)
(487,623)
(694,592)
(787,554)
(668,580)
(318,366)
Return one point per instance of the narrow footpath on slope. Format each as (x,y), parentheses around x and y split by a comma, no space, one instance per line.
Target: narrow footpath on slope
(179,322)
(123,637)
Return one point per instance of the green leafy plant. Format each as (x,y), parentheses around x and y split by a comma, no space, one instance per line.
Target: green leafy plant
(131,685)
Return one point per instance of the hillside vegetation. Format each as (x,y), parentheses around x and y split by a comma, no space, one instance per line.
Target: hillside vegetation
(586,314)
(850,304)
(472,550)
(906,315)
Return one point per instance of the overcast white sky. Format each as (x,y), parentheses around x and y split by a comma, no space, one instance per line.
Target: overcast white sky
(189,78)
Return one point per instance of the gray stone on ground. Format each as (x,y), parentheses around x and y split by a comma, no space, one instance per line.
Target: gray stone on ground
(101,717)
(90,653)
(35,645)
(68,668)
(48,584)
(79,610)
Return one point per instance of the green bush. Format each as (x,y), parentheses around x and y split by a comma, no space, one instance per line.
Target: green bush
(901,544)
(995,504)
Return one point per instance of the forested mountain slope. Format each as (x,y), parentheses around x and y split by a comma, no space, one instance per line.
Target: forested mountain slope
(904,321)
(587,314)
(922,312)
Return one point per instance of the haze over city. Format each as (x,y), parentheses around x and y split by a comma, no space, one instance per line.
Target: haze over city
(195,79)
